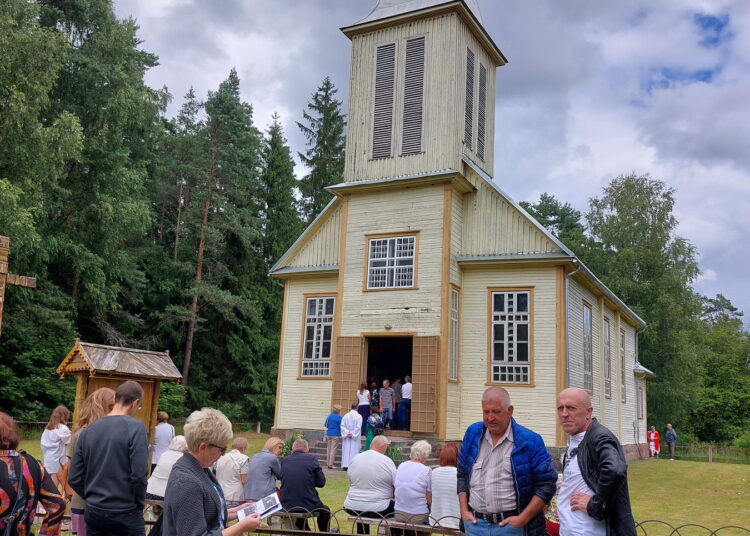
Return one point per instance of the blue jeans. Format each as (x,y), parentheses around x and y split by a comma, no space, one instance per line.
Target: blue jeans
(483,528)
(110,523)
(387,417)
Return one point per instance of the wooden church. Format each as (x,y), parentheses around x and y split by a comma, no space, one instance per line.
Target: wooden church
(422,265)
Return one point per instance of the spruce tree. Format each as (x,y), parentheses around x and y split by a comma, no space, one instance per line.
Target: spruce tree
(324,131)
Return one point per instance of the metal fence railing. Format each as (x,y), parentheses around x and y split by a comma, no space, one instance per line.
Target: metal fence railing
(34,429)
(710,453)
(345,523)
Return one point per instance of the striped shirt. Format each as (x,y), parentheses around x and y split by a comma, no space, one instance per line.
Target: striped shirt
(492,489)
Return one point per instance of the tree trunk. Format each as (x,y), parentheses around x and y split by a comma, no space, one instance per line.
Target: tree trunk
(194,303)
(177,224)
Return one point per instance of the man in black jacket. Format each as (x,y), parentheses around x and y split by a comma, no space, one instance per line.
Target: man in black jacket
(300,475)
(593,498)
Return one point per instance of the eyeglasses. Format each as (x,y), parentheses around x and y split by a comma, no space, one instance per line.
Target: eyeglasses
(223,450)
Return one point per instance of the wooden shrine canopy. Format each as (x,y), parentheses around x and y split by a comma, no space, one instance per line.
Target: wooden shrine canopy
(97,365)
(130,363)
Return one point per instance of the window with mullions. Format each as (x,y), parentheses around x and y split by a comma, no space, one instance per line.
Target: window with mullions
(607,360)
(316,357)
(454,335)
(391,262)
(623,394)
(511,324)
(588,350)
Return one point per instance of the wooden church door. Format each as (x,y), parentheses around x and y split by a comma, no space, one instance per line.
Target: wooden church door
(424,384)
(347,371)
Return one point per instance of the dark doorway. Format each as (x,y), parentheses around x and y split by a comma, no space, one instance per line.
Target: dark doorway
(388,358)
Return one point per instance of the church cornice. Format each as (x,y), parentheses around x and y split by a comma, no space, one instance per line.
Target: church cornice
(459,182)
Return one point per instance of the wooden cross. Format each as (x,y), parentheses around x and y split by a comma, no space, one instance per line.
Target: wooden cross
(9,279)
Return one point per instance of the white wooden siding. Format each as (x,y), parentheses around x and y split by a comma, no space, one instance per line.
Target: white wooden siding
(494,226)
(453,430)
(534,407)
(322,248)
(313,395)
(408,310)
(629,409)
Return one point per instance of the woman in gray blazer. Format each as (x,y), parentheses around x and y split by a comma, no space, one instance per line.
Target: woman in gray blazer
(264,470)
(194,504)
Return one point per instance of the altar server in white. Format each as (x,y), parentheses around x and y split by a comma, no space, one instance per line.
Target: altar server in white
(351,430)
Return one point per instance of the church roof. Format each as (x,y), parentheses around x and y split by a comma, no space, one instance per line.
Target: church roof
(391,8)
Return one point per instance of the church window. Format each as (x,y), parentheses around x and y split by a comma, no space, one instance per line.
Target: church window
(588,347)
(316,355)
(607,360)
(510,336)
(469,105)
(391,262)
(414,66)
(623,393)
(482,111)
(453,373)
(385,85)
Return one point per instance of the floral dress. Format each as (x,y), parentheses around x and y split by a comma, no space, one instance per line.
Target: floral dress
(37,486)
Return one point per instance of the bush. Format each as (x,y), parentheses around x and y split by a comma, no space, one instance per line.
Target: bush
(172,400)
(743,441)
(394,453)
(288,445)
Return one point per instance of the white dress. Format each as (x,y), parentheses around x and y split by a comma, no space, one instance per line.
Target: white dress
(53,447)
(350,424)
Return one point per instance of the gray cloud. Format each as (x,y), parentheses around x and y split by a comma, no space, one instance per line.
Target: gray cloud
(592,90)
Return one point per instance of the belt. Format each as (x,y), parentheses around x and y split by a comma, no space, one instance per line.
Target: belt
(495,518)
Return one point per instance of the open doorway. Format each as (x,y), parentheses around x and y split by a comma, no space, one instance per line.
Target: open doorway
(389,358)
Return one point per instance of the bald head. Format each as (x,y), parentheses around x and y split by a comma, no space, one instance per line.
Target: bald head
(496,394)
(380,444)
(574,410)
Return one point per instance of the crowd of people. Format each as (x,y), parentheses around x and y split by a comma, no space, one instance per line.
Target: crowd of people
(499,480)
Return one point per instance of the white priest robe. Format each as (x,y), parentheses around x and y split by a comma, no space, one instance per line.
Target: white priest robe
(350,424)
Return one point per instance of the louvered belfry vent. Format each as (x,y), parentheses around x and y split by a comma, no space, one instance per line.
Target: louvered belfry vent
(385,80)
(414,65)
(482,110)
(469,113)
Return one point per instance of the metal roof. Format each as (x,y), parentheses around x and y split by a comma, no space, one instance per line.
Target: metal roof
(391,8)
(98,358)
(640,370)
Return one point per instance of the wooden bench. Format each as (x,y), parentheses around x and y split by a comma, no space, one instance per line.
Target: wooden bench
(384,526)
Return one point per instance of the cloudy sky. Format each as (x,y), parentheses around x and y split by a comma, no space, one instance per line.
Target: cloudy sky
(592,90)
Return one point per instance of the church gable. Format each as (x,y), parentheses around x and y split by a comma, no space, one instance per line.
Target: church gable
(317,247)
(494,226)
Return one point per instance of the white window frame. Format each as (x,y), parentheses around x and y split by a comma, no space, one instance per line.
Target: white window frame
(394,265)
(607,334)
(505,368)
(317,342)
(455,301)
(623,377)
(588,348)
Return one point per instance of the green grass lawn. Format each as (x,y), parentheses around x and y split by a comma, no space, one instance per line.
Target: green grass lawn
(678,492)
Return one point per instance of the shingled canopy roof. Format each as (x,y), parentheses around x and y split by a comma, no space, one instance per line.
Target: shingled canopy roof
(114,360)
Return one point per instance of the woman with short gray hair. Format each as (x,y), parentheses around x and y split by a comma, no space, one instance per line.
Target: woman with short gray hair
(194,503)
(413,485)
(157,482)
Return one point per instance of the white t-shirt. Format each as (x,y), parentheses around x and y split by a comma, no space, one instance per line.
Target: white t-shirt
(406,391)
(445,508)
(363,398)
(163,435)
(228,471)
(53,447)
(371,476)
(577,523)
(413,481)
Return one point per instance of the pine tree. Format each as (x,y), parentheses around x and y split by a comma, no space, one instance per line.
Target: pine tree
(324,131)
(282,221)
(224,208)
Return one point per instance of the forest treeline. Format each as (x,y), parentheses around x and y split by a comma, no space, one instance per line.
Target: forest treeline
(158,233)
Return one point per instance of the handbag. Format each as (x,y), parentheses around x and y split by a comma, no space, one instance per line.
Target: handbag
(62,476)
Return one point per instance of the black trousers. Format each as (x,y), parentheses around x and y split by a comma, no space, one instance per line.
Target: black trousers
(101,522)
(363,528)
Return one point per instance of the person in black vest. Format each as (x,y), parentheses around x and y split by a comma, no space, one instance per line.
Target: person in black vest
(300,475)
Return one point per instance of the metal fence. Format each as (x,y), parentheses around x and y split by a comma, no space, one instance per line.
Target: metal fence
(344,523)
(34,429)
(710,453)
